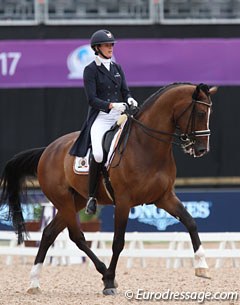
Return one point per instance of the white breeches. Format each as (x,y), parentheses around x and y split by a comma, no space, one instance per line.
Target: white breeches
(102,123)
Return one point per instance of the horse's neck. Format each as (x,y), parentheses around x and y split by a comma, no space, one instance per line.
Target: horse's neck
(159,116)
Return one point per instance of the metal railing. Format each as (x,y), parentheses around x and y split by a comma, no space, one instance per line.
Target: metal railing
(19,12)
(67,12)
(99,12)
(199,11)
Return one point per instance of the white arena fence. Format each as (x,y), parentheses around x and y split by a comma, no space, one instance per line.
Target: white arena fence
(173,247)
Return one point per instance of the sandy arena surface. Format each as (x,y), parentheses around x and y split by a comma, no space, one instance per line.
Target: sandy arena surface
(80,284)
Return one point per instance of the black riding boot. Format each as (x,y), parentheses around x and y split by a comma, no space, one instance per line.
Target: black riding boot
(94,171)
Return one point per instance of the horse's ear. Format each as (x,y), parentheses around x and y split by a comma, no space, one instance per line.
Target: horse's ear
(213,90)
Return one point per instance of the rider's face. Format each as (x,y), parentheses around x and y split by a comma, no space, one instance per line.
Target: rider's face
(106,49)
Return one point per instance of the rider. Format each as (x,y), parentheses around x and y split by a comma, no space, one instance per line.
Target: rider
(107,93)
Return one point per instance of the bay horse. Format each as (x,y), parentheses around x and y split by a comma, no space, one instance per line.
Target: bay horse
(145,174)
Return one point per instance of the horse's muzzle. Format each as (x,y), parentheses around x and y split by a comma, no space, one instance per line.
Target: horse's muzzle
(196,147)
(201,146)
(200,151)
(196,143)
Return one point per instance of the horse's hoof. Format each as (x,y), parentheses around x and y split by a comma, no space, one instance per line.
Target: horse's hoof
(34,290)
(110,291)
(202,272)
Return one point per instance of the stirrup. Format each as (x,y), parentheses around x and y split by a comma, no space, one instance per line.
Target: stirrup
(91,206)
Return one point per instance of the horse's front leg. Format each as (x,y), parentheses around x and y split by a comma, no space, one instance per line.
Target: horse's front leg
(174,206)
(121,218)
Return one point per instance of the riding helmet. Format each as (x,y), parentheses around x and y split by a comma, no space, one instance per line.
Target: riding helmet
(102,36)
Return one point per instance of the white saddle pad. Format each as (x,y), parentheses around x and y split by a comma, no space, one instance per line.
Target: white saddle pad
(81,164)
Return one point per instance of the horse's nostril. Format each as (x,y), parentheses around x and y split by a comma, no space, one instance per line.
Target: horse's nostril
(201,152)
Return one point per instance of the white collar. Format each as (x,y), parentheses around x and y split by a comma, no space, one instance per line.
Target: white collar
(99,60)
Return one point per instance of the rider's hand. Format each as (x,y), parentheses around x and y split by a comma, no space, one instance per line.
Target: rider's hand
(132,102)
(121,107)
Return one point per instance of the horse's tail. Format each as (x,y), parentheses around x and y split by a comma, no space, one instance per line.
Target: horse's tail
(19,167)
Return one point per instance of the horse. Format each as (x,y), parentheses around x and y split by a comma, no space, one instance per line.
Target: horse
(143,171)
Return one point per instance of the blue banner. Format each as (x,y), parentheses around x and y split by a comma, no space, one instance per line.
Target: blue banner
(213,211)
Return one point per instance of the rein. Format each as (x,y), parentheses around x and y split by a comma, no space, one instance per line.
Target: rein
(186,139)
(147,130)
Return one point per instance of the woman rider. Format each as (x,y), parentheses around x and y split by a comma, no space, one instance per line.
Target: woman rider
(107,93)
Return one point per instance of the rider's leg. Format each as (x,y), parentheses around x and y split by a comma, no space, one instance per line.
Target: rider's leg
(98,129)
(102,123)
(94,172)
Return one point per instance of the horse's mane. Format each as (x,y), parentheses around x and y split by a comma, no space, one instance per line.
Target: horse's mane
(152,98)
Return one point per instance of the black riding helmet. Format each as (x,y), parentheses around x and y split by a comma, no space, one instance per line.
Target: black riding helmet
(99,37)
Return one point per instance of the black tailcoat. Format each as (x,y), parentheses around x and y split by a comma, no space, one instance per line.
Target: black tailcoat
(102,87)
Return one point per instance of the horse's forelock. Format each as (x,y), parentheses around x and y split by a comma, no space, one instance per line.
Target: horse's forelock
(204,88)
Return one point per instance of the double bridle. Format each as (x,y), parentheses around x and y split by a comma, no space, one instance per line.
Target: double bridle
(187,138)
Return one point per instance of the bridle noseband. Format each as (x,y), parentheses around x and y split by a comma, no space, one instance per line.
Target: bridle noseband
(189,138)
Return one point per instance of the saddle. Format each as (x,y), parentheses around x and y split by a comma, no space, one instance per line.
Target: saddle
(113,139)
(110,141)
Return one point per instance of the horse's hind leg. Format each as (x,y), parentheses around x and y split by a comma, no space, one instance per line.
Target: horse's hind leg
(49,235)
(176,209)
